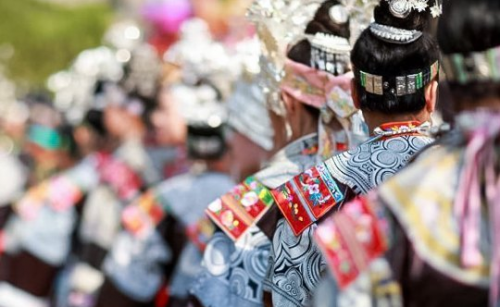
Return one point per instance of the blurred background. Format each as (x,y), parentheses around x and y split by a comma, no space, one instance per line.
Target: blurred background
(39,38)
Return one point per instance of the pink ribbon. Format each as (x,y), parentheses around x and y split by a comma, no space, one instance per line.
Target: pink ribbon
(482,130)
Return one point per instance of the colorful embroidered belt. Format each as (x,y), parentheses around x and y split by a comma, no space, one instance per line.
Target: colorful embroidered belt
(236,211)
(351,239)
(308,197)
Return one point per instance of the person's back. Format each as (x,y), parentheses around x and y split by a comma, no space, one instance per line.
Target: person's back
(436,221)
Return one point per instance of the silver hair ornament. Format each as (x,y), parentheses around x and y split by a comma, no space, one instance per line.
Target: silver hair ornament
(338,14)
(394,35)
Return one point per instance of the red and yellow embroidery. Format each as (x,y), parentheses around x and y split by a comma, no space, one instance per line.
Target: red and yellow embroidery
(143,215)
(308,197)
(351,239)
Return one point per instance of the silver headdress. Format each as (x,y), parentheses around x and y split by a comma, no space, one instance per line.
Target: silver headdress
(200,57)
(476,66)
(143,71)
(361,15)
(205,115)
(248,113)
(330,53)
(402,9)
(279,24)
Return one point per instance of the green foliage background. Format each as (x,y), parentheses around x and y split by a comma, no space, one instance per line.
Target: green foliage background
(46,37)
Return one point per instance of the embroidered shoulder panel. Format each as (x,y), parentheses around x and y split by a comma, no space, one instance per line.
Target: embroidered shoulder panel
(308,197)
(236,211)
(351,239)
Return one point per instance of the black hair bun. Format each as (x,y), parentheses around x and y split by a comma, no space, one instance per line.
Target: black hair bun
(321,23)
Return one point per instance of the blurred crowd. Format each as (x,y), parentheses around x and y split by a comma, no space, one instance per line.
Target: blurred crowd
(261,153)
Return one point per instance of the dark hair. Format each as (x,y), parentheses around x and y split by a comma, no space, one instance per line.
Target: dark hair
(70,145)
(95,119)
(322,23)
(470,26)
(372,55)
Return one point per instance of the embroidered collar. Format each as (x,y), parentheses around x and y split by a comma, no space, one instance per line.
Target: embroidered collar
(395,129)
(237,211)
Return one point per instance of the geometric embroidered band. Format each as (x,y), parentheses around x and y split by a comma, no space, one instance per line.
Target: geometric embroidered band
(475,66)
(401,85)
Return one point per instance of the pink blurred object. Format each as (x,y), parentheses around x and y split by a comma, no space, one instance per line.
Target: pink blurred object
(167,15)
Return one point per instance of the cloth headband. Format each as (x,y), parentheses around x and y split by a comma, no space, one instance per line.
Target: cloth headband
(475,66)
(46,137)
(315,88)
(330,94)
(401,85)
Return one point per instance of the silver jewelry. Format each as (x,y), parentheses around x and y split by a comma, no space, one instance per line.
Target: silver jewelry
(400,8)
(394,35)
(330,53)
(401,85)
(338,14)
(403,8)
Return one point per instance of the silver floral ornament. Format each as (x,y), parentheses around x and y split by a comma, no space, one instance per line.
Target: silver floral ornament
(400,8)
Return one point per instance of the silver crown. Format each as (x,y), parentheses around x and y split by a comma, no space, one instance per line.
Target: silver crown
(330,53)
(330,43)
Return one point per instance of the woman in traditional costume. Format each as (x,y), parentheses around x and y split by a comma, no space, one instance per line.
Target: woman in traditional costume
(436,222)
(301,96)
(395,66)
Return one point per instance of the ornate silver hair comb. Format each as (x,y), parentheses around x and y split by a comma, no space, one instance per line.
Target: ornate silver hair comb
(394,35)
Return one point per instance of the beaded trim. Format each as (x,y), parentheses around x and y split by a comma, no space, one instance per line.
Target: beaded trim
(400,86)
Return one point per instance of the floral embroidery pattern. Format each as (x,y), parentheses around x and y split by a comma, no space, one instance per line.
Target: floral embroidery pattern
(351,239)
(241,208)
(307,197)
